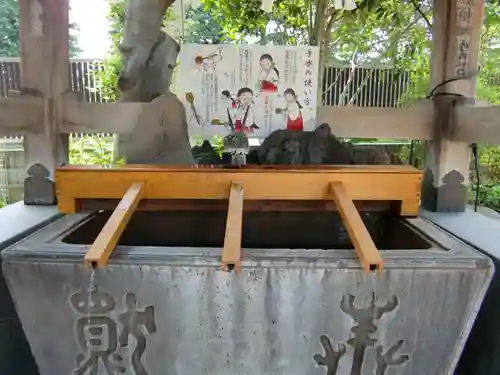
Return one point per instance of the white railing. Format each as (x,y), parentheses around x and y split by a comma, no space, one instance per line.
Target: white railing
(362,86)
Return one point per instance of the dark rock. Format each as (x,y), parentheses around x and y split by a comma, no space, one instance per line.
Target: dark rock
(309,147)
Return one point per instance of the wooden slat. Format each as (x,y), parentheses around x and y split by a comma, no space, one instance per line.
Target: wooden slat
(103,246)
(366,184)
(19,115)
(366,250)
(117,118)
(478,124)
(231,252)
(378,122)
(350,121)
(474,124)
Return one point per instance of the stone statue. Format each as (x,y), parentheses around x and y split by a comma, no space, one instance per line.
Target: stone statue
(38,188)
(149,58)
(149,55)
(161,135)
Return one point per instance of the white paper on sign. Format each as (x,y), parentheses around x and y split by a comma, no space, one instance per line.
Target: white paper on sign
(349,4)
(267,5)
(251,88)
(338,4)
(344,4)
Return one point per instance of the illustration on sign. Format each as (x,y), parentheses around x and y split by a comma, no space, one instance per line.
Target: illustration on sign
(99,336)
(253,89)
(361,340)
(292,111)
(269,76)
(209,62)
(194,112)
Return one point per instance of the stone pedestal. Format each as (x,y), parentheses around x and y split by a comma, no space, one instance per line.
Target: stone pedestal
(166,309)
(16,222)
(481,354)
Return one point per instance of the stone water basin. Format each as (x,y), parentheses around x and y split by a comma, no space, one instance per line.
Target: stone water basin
(301,303)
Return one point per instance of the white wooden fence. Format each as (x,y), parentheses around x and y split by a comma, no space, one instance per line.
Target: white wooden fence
(362,86)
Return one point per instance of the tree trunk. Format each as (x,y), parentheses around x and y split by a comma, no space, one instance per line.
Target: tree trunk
(320,37)
(149,57)
(323,54)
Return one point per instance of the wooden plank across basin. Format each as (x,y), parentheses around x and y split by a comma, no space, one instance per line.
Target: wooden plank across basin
(363,183)
(108,238)
(342,185)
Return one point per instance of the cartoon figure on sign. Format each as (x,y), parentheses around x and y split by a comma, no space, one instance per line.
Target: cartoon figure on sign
(210,61)
(292,111)
(227,95)
(244,112)
(97,333)
(241,118)
(234,104)
(269,76)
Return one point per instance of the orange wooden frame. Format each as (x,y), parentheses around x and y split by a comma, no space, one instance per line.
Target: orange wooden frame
(342,184)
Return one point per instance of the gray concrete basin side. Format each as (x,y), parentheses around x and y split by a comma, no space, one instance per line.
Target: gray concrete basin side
(481,354)
(17,221)
(278,314)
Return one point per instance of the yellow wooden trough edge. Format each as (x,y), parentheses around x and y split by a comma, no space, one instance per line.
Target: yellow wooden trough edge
(343,184)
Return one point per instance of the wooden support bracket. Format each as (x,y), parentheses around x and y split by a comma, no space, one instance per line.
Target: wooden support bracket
(231,253)
(366,250)
(106,241)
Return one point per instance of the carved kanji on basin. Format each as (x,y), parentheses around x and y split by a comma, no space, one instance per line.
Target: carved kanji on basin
(362,340)
(101,338)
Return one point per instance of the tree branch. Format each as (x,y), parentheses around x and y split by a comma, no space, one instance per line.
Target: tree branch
(331,21)
(310,26)
(422,14)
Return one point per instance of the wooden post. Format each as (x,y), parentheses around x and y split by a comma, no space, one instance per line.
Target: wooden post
(457,27)
(44,36)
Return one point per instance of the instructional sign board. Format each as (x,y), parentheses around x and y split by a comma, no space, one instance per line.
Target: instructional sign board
(251,88)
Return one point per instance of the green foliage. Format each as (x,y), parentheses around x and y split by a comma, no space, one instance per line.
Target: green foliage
(93,150)
(203,27)
(216,141)
(489,177)
(295,21)
(9,28)
(489,195)
(107,78)
(391,34)
(243,18)
(9,31)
